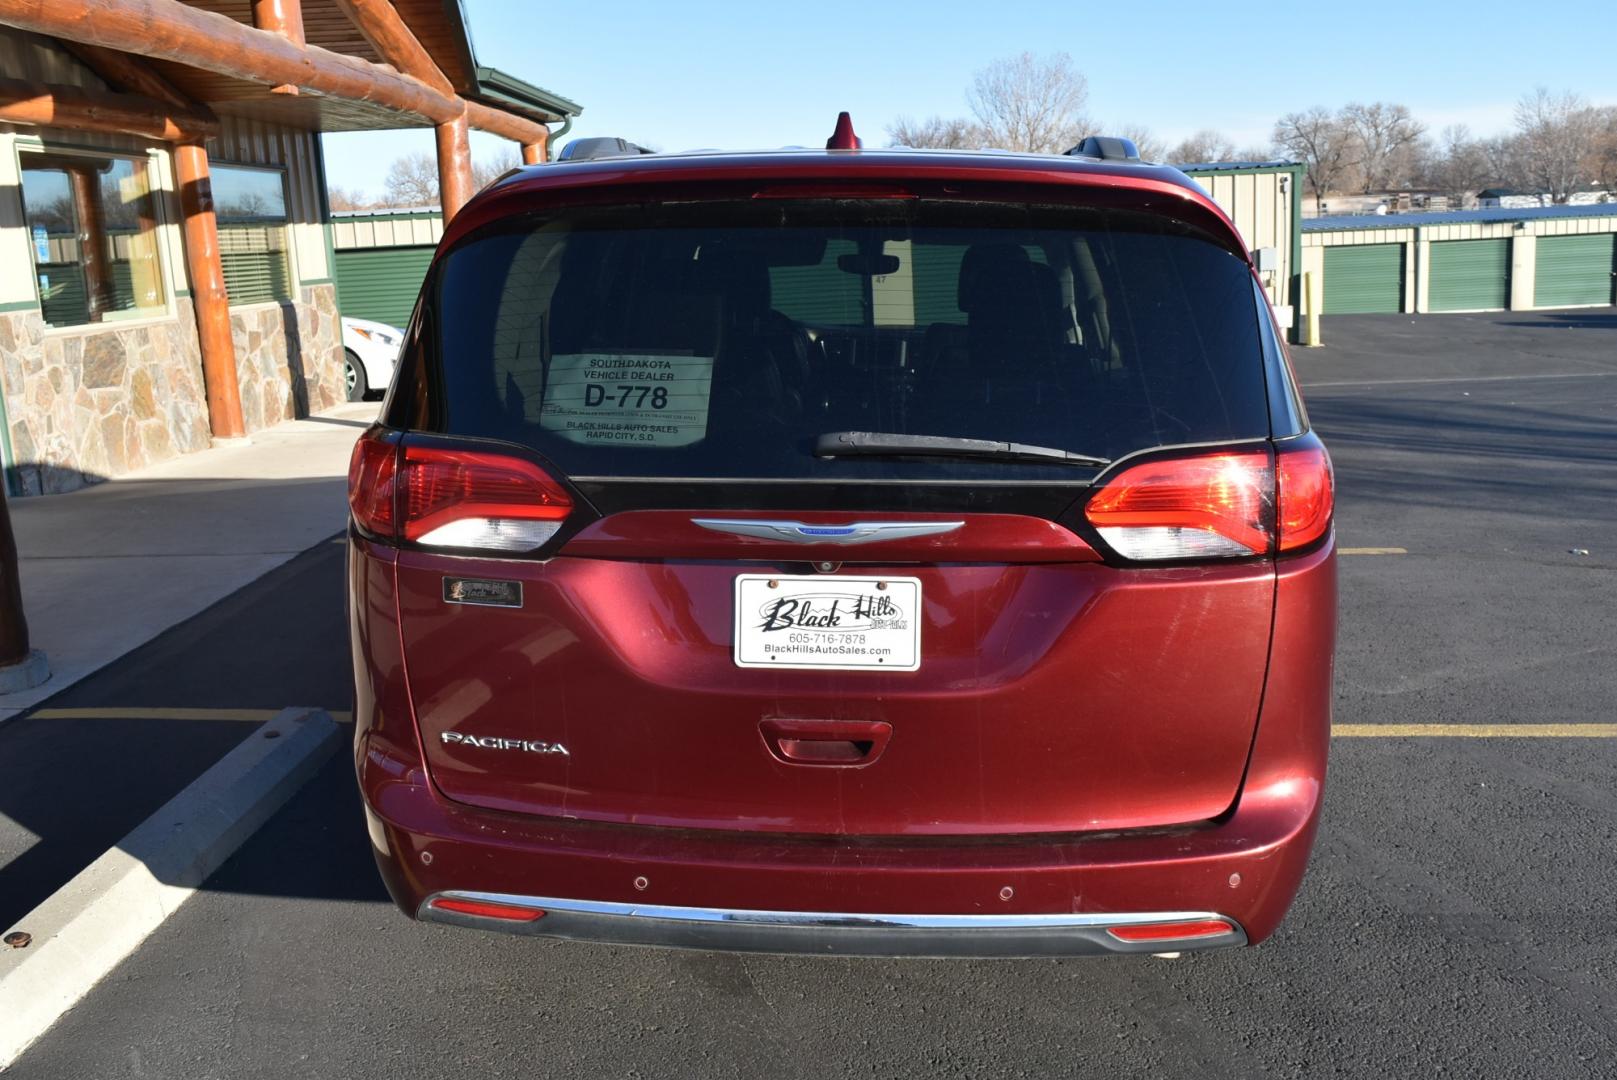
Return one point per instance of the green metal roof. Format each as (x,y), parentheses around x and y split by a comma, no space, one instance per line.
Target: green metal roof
(496,86)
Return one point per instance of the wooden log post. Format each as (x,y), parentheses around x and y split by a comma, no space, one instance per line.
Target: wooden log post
(533,153)
(208,293)
(13,624)
(285,19)
(454,166)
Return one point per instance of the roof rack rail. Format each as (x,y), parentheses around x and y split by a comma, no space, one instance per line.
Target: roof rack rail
(595,149)
(1106,148)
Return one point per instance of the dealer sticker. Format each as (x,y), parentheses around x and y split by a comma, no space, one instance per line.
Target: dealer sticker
(830,623)
(621,399)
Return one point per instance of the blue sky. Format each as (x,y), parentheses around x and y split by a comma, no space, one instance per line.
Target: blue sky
(706,74)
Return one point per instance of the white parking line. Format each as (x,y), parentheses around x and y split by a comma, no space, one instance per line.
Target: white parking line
(1372,551)
(1438,379)
(88,926)
(1477,731)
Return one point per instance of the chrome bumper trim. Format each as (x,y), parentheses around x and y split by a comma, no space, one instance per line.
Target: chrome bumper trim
(833,933)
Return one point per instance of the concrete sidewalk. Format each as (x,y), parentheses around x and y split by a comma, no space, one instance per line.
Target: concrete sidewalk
(110,567)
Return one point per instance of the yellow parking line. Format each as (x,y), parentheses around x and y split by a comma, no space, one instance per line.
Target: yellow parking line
(249,716)
(1372,551)
(1478,731)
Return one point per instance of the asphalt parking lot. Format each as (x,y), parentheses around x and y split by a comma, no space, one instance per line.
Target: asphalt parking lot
(1455,920)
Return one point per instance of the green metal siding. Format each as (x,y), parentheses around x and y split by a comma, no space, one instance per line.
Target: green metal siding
(1364,278)
(1470,275)
(381,283)
(1575,270)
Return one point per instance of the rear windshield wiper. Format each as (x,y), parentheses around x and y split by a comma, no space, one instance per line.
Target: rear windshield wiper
(892,444)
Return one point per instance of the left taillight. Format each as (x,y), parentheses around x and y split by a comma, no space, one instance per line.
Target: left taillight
(453,499)
(372,470)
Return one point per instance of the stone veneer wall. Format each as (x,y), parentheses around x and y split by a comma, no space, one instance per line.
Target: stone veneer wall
(289,357)
(83,405)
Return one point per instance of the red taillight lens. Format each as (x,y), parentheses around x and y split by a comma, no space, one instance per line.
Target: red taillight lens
(1172,931)
(1207,506)
(371,474)
(1307,495)
(486,909)
(472,499)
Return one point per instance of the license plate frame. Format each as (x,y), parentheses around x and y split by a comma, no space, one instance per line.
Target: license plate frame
(826,623)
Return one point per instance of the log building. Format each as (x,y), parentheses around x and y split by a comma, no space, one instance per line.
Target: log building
(166,262)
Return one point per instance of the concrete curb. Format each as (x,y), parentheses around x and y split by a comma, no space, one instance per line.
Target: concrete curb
(94,921)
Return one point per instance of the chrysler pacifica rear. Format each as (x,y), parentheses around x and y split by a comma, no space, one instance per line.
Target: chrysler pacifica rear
(844,552)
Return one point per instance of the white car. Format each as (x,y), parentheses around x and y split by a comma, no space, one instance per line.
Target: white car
(371,350)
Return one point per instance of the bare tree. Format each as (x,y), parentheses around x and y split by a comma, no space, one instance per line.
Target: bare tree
(1386,136)
(490,169)
(412,180)
(1321,142)
(936,133)
(1459,166)
(1032,104)
(348,199)
(1206,145)
(1600,164)
(1555,132)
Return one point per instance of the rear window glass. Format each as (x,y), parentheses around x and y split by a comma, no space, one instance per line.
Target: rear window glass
(722,339)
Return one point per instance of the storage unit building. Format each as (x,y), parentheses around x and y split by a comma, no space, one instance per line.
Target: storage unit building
(1470,260)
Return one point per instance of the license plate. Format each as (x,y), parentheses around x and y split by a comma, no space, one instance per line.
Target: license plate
(831,623)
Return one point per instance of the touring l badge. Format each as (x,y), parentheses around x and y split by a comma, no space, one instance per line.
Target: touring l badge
(496,742)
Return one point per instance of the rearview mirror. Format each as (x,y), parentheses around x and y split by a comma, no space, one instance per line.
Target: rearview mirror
(868,265)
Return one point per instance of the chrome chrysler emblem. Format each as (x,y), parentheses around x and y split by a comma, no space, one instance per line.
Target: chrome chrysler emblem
(858,532)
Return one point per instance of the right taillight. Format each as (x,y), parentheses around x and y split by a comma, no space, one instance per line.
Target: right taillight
(451,498)
(1307,494)
(1228,504)
(1205,506)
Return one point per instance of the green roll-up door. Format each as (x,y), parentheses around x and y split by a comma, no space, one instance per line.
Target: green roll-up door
(1364,278)
(381,283)
(1470,275)
(1575,270)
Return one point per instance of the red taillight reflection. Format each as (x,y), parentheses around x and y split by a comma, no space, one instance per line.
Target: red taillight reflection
(371,474)
(1202,506)
(486,909)
(1306,495)
(1172,931)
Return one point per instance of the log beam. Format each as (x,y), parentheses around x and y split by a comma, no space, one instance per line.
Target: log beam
(208,294)
(125,72)
(379,23)
(454,167)
(170,30)
(284,18)
(48,105)
(174,31)
(505,125)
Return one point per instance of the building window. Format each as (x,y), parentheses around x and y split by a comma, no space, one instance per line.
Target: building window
(92,227)
(251,208)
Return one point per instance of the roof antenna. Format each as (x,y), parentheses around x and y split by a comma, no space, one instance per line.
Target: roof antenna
(843,137)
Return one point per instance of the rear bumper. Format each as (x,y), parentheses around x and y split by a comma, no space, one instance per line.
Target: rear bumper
(792,893)
(845,934)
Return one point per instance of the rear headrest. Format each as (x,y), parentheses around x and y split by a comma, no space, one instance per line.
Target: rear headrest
(740,277)
(1001,278)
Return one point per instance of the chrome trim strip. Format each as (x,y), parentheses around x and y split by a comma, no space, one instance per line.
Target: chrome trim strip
(799,532)
(835,933)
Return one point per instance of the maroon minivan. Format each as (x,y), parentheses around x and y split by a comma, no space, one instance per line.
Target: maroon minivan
(852,552)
